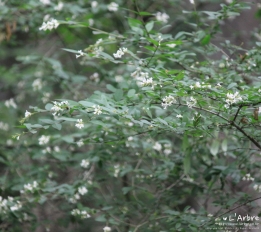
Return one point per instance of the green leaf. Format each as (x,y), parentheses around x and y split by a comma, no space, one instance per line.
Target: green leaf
(214,147)
(118,95)
(125,190)
(57,126)
(131,93)
(224,145)
(111,88)
(149,26)
(134,22)
(180,76)
(231,85)
(48,106)
(206,40)
(101,218)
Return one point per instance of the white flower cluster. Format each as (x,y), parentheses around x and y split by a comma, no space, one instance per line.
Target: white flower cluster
(81,191)
(116,170)
(94,4)
(44,140)
(157,146)
(4,126)
(142,77)
(85,163)
(257,187)
(147,82)
(191,102)
(27,114)
(97,109)
(120,52)
(167,149)
(232,98)
(10,102)
(9,204)
(52,24)
(107,229)
(248,177)
(95,49)
(59,7)
(200,85)
(163,17)
(80,143)
(59,106)
(49,150)
(79,124)
(113,6)
(80,54)
(168,101)
(30,187)
(95,77)
(83,214)
(37,84)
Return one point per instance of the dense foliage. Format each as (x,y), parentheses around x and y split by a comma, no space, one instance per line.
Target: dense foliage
(134,116)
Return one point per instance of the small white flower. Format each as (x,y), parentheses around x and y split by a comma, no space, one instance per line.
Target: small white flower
(91,22)
(95,77)
(85,163)
(94,4)
(157,146)
(80,54)
(113,6)
(37,84)
(106,229)
(97,109)
(59,7)
(191,87)
(192,1)
(171,45)
(116,170)
(84,214)
(10,102)
(197,85)
(221,65)
(167,101)
(147,82)
(167,151)
(52,24)
(31,187)
(163,17)
(43,140)
(191,102)
(82,190)
(4,126)
(233,98)
(248,177)
(80,143)
(27,114)
(120,52)
(179,116)
(79,124)
(45,2)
